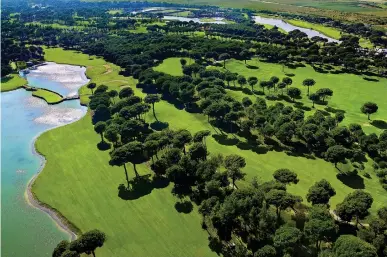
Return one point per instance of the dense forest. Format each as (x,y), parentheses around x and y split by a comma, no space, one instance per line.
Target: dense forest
(251,220)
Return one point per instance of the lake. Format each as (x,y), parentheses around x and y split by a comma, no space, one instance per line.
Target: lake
(27,231)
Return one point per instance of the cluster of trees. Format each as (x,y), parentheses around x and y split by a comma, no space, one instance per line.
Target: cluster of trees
(109,38)
(244,221)
(86,243)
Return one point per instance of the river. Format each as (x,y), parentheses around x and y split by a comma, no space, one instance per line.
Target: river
(216,20)
(27,231)
(289,27)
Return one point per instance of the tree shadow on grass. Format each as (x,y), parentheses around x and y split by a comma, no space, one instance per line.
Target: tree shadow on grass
(159,125)
(103,146)
(370,79)
(141,186)
(354,181)
(184,207)
(225,140)
(252,67)
(333,110)
(301,106)
(215,245)
(380,124)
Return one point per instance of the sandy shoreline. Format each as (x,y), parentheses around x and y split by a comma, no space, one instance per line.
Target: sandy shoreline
(73,78)
(68,76)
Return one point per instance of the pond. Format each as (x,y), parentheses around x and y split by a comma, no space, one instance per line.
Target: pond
(216,20)
(289,27)
(27,231)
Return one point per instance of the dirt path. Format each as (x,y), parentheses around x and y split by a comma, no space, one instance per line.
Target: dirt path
(337,218)
(108,69)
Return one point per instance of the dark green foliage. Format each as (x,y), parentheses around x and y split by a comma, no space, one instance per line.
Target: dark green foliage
(285,176)
(286,239)
(351,246)
(369,108)
(125,92)
(355,205)
(294,92)
(320,192)
(60,248)
(91,86)
(320,226)
(100,127)
(336,154)
(266,251)
(88,242)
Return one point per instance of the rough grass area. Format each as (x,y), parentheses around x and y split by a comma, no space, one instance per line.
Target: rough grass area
(49,97)
(173,66)
(11,82)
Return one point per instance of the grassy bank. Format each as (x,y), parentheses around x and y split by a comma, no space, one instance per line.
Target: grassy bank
(150,225)
(327,31)
(88,192)
(48,96)
(12,82)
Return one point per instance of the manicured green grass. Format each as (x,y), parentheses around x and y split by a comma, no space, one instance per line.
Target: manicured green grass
(80,184)
(328,31)
(11,82)
(48,96)
(118,11)
(142,28)
(173,66)
(183,13)
(54,25)
(268,26)
(214,20)
(349,91)
(149,226)
(97,69)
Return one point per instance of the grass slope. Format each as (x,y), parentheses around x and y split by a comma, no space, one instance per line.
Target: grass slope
(328,31)
(309,171)
(11,82)
(349,91)
(48,96)
(98,69)
(150,226)
(173,66)
(87,194)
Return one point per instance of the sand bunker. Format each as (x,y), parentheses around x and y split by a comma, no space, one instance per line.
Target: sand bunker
(70,76)
(60,116)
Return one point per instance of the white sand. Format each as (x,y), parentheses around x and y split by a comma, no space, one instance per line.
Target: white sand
(58,116)
(70,76)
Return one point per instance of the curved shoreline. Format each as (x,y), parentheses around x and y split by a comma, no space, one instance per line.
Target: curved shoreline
(60,220)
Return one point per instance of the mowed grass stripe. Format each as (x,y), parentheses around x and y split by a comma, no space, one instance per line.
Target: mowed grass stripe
(78,181)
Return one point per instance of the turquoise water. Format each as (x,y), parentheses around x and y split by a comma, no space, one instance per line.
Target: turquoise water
(26,231)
